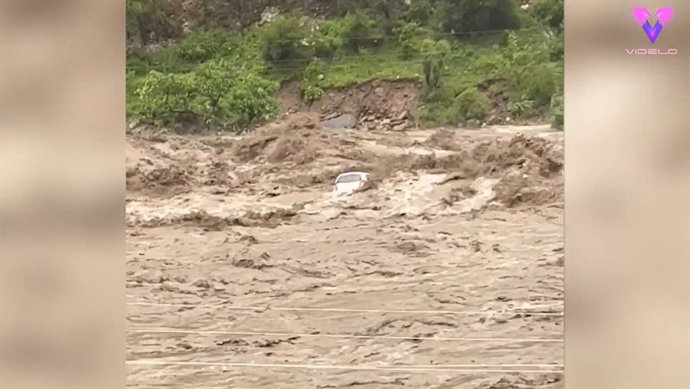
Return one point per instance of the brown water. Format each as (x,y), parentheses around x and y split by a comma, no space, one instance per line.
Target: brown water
(244,271)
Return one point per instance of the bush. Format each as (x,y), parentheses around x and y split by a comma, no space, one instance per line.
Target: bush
(435,53)
(312,80)
(203,46)
(529,73)
(472,104)
(326,38)
(150,21)
(436,114)
(232,96)
(218,94)
(284,41)
(407,39)
(557,111)
(524,107)
(472,15)
(164,98)
(249,100)
(555,44)
(541,82)
(361,31)
(420,11)
(549,12)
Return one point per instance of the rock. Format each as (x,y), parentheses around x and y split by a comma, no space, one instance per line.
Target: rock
(340,122)
(331,115)
(400,127)
(473,123)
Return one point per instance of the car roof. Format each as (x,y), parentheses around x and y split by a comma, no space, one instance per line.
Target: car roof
(353,173)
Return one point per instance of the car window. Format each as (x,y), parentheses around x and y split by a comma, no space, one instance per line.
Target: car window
(348,178)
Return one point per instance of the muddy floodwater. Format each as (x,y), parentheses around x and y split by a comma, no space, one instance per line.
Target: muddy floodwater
(244,271)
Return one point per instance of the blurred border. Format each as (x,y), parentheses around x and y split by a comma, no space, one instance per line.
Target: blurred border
(62,219)
(62,210)
(627,198)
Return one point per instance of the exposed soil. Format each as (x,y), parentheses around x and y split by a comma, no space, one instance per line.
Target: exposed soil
(378,103)
(459,236)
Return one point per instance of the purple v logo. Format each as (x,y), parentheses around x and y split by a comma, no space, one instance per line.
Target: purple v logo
(641,15)
(652,32)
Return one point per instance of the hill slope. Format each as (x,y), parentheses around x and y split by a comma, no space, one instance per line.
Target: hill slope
(223,64)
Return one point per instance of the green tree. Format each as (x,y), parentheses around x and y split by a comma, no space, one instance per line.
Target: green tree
(406,39)
(218,94)
(229,96)
(476,15)
(251,99)
(312,80)
(326,38)
(549,12)
(284,40)
(528,69)
(435,53)
(557,106)
(149,21)
(361,31)
(205,45)
(472,104)
(420,11)
(165,98)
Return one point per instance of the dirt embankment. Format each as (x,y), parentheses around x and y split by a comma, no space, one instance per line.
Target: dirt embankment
(378,104)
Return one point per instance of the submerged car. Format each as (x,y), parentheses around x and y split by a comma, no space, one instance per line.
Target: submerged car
(351,182)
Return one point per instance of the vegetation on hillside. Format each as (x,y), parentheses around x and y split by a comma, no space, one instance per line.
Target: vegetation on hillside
(216,64)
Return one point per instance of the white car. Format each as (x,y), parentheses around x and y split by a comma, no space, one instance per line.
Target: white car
(348,183)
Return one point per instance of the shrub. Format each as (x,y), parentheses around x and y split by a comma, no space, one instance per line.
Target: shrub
(557,111)
(284,40)
(232,96)
(539,83)
(556,106)
(218,94)
(361,31)
(203,46)
(150,21)
(420,11)
(312,80)
(527,68)
(326,38)
(435,52)
(549,12)
(522,108)
(406,39)
(556,47)
(473,15)
(437,114)
(250,100)
(164,98)
(472,104)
